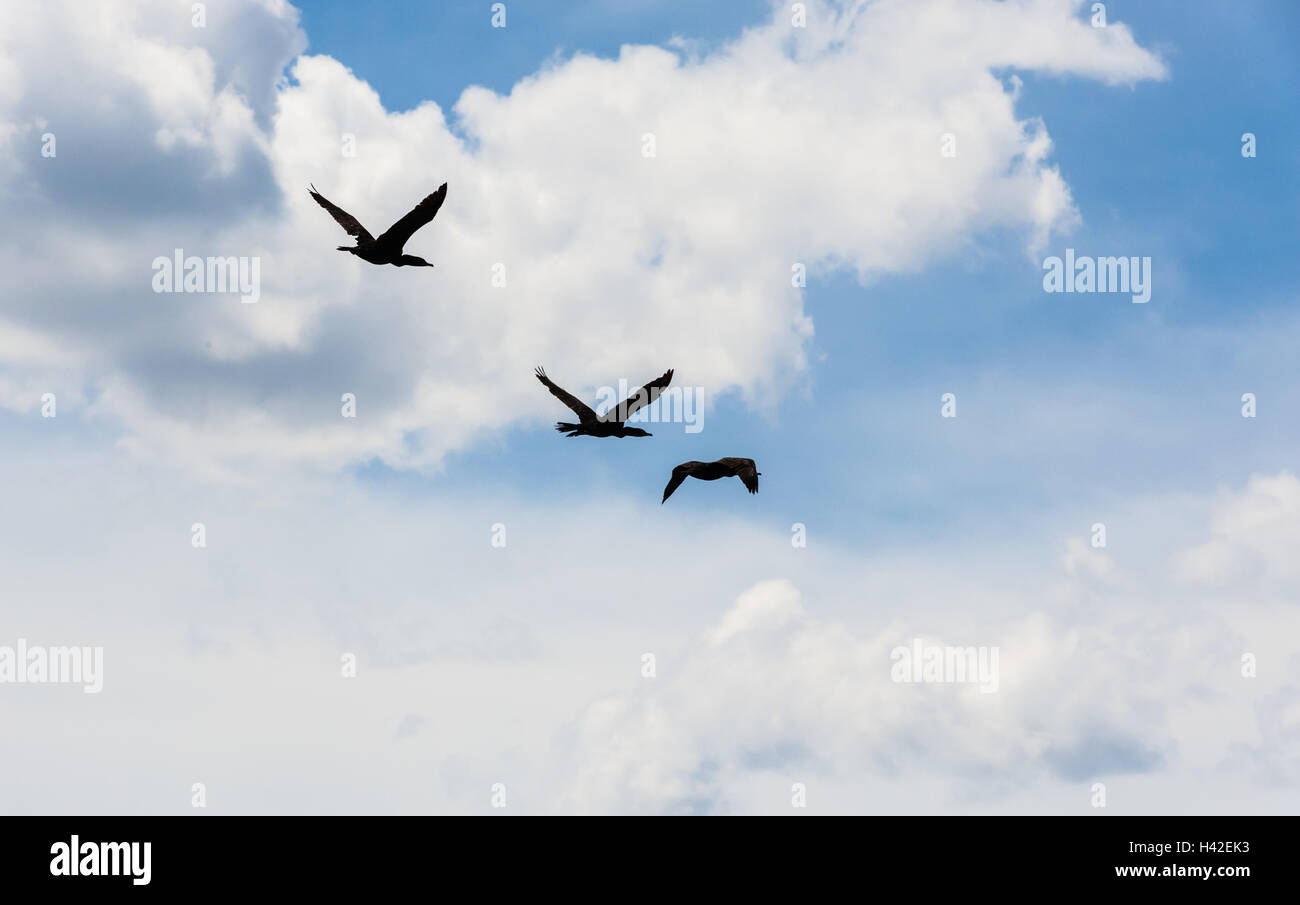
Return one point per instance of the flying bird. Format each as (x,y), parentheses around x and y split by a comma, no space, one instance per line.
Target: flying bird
(610,424)
(729,467)
(387,249)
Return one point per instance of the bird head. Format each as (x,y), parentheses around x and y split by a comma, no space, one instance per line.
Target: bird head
(636,432)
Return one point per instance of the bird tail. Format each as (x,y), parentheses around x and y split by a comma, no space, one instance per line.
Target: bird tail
(346,248)
(565,427)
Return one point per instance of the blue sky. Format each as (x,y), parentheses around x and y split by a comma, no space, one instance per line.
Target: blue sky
(413,52)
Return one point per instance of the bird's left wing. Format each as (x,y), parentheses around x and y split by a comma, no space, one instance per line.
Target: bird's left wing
(680,473)
(584,412)
(349,223)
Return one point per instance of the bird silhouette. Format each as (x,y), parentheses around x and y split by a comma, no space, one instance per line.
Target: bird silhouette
(387,249)
(611,424)
(729,467)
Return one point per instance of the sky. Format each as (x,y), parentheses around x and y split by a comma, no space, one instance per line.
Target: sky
(500,588)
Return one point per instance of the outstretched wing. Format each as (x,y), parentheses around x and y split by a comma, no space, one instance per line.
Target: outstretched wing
(421,214)
(680,473)
(345,220)
(584,413)
(746,470)
(638,399)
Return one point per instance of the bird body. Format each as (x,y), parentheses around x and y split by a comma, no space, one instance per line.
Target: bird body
(387,249)
(728,467)
(610,424)
(600,429)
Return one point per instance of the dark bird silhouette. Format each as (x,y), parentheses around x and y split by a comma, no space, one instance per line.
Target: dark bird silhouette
(387,249)
(610,424)
(729,467)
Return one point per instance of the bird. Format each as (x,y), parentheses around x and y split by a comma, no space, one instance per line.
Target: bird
(387,249)
(730,467)
(609,424)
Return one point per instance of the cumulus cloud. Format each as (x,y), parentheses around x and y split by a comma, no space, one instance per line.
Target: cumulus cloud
(817,146)
(481,665)
(807,697)
(1254,536)
(775,694)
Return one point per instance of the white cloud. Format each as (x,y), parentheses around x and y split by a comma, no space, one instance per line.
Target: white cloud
(817,145)
(523,663)
(1254,537)
(775,694)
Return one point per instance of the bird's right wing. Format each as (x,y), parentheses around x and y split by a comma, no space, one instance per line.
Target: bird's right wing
(344,219)
(418,216)
(639,398)
(746,470)
(581,409)
(749,476)
(680,473)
